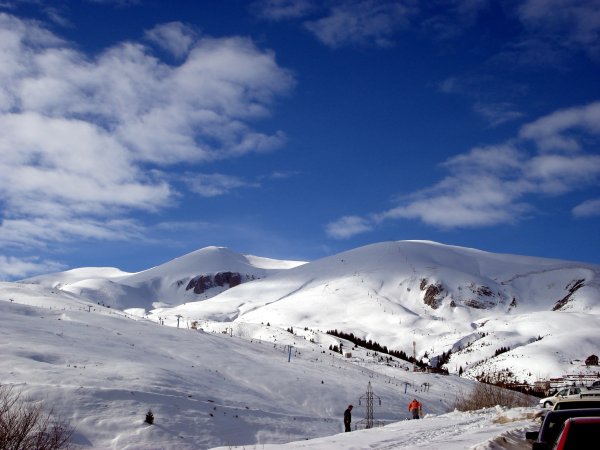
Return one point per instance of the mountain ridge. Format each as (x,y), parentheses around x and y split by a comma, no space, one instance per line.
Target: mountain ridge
(432,297)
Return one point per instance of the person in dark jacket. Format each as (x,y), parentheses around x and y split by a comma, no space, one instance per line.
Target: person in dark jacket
(348,418)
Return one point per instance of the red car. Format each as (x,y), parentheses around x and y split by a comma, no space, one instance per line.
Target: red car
(579,433)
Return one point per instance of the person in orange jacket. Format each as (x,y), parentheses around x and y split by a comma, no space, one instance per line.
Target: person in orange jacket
(415,408)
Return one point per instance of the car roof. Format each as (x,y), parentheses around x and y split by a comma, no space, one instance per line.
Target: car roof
(586,404)
(584,419)
(572,413)
(586,398)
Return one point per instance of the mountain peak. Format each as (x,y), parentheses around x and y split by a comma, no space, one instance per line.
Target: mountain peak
(442,297)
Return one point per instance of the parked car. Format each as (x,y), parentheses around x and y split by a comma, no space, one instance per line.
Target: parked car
(566,392)
(577,402)
(545,437)
(578,433)
(595,385)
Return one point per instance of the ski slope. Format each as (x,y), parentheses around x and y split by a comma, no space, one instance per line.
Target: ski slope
(102,369)
(250,365)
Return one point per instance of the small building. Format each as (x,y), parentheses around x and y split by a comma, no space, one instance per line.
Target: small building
(591,360)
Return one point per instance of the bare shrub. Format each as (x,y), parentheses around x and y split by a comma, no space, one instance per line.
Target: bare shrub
(485,395)
(26,426)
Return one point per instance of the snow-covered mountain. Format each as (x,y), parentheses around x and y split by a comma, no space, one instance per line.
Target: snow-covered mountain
(102,370)
(442,298)
(196,276)
(250,365)
(410,296)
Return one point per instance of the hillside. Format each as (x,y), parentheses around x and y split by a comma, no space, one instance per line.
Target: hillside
(430,297)
(102,369)
(443,298)
(249,363)
(196,276)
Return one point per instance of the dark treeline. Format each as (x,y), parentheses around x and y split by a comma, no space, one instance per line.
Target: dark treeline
(501,350)
(375,346)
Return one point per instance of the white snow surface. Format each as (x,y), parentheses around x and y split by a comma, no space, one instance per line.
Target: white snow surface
(439,297)
(164,284)
(486,301)
(72,341)
(101,370)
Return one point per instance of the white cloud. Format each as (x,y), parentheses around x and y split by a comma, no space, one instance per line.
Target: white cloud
(576,21)
(499,184)
(550,132)
(364,22)
(37,232)
(560,174)
(192,226)
(79,134)
(589,208)
(496,106)
(69,162)
(280,175)
(448,19)
(215,184)
(461,200)
(348,226)
(494,159)
(174,37)
(12,267)
(282,9)
(497,113)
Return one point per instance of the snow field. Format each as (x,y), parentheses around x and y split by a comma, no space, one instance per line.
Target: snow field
(102,370)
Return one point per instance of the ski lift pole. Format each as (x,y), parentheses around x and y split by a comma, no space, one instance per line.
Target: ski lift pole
(290,353)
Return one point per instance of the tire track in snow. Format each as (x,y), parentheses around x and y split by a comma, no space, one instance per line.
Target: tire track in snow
(425,432)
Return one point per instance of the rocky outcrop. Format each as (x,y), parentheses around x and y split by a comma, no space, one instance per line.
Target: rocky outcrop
(476,304)
(201,283)
(485,297)
(434,294)
(572,287)
(482,291)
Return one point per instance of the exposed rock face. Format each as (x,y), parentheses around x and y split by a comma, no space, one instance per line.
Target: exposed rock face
(476,304)
(203,282)
(572,287)
(481,290)
(433,294)
(484,297)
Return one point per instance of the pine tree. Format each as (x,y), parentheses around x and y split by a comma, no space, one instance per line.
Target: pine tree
(149,417)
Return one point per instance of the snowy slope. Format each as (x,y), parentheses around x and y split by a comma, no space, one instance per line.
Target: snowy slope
(102,370)
(486,429)
(235,381)
(435,297)
(441,297)
(166,284)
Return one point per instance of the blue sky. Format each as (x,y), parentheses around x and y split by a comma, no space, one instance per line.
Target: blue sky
(132,132)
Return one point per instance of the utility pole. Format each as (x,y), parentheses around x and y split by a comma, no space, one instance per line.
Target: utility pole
(368,397)
(414,355)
